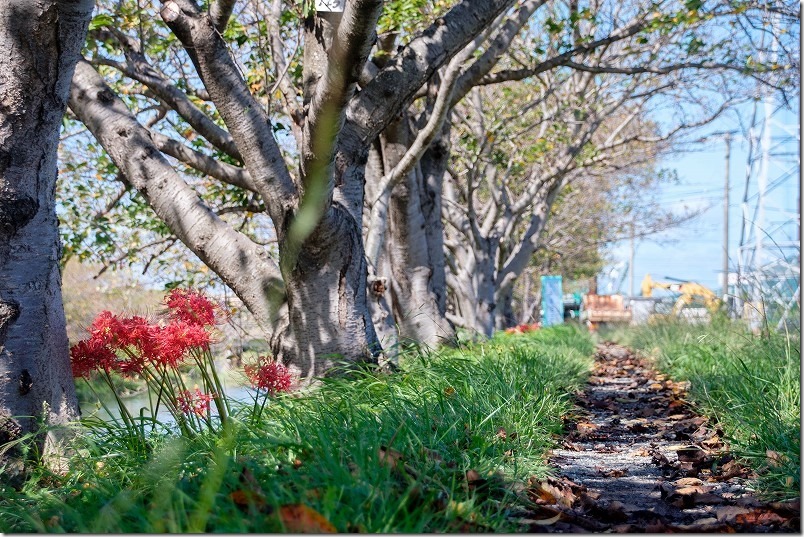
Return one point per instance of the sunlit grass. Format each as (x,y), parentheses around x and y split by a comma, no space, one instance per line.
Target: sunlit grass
(750,384)
(492,410)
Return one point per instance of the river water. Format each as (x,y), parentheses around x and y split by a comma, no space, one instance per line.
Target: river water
(135,403)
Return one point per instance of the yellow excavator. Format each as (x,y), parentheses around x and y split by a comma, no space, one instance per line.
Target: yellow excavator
(689,293)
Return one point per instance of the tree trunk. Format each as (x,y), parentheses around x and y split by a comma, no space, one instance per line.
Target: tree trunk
(414,299)
(473,289)
(505,317)
(399,236)
(41,43)
(379,268)
(327,301)
(434,166)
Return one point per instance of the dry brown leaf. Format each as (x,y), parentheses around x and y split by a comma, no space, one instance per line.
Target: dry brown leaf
(787,506)
(775,458)
(472,476)
(728,513)
(761,517)
(390,456)
(689,490)
(545,521)
(246,498)
(615,473)
(554,494)
(299,518)
(501,433)
(688,482)
(691,454)
(585,427)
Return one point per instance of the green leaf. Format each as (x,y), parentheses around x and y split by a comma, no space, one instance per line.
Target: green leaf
(101,20)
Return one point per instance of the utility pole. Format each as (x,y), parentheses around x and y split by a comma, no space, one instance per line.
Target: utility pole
(726,220)
(631,264)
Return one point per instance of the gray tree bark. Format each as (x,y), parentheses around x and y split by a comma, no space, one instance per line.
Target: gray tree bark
(41,42)
(415,301)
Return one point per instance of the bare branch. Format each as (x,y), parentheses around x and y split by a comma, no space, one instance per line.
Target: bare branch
(498,46)
(140,70)
(205,164)
(561,59)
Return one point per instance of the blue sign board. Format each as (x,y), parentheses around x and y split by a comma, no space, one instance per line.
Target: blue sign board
(552,301)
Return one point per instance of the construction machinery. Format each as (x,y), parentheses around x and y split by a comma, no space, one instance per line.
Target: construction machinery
(689,294)
(598,309)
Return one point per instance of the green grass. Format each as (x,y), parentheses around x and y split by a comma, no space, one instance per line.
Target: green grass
(442,413)
(749,384)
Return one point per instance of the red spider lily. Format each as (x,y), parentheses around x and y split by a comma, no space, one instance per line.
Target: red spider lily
(133,330)
(196,402)
(168,345)
(191,307)
(106,328)
(268,375)
(523,328)
(90,355)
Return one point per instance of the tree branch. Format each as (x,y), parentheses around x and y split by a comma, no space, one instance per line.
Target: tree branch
(203,163)
(499,45)
(219,13)
(246,120)
(137,68)
(238,261)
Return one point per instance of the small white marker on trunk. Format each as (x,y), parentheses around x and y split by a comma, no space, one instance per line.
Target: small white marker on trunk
(332,6)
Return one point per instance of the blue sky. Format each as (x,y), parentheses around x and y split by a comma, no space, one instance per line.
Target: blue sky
(694,250)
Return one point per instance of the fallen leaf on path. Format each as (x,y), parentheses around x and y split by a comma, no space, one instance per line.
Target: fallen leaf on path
(792,507)
(546,521)
(760,517)
(617,472)
(728,513)
(691,454)
(688,482)
(584,427)
(729,470)
(554,492)
(299,518)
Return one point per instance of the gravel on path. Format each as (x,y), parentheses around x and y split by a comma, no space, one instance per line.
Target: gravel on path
(637,458)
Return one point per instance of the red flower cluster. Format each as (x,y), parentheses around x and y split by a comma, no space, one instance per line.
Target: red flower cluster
(191,307)
(126,344)
(523,328)
(196,402)
(269,375)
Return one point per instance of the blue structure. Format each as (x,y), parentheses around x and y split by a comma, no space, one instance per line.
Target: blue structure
(552,301)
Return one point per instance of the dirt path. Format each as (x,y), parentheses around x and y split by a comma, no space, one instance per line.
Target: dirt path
(638,459)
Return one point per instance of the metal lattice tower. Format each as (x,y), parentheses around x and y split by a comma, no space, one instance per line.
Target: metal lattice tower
(769,256)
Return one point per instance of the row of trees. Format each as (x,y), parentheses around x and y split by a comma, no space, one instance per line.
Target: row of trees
(356,178)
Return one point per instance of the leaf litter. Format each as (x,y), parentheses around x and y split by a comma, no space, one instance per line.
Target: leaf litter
(638,459)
